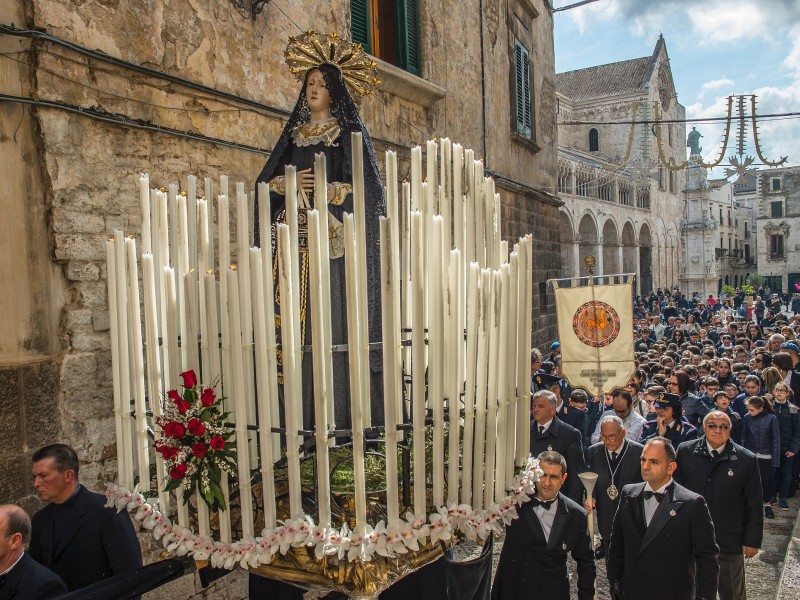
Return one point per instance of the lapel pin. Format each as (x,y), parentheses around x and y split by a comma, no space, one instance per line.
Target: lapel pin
(549,448)
(564,545)
(730,472)
(672,513)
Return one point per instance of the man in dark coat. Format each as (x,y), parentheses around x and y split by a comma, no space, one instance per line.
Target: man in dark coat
(727,476)
(616,462)
(662,540)
(76,535)
(22,577)
(533,562)
(549,433)
(571,415)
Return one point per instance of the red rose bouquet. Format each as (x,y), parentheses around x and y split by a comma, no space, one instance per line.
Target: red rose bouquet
(196,444)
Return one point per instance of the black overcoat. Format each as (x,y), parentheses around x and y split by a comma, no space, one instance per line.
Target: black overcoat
(95,541)
(731,486)
(661,561)
(566,440)
(29,580)
(531,567)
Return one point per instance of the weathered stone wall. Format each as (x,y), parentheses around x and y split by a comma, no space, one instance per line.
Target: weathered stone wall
(72,178)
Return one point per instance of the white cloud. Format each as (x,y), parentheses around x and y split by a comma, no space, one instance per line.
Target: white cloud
(718,21)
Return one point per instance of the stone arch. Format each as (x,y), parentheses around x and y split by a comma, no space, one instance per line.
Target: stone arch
(568,243)
(645,258)
(628,240)
(587,232)
(610,247)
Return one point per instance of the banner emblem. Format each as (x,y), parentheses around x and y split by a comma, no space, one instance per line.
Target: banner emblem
(596,324)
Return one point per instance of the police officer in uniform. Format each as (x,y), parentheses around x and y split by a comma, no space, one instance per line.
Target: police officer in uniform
(669,421)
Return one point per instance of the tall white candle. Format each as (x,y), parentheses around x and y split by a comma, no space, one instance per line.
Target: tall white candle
(265,230)
(192,309)
(265,387)
(135,321)
(124,357)
(290,179)
(240,404)
(528,307)
(504,365)
(492,404)
(416,178)
(392,361)
(162,261)
(479,447)
(203,245)
(245,306)
(153,363)
(144,198)
(452,352)
(474,309)
(418,363)
(432,149)
(223,215)
(212,316)
(182,267)
(321,365)
(359,221)
(209,189)
(191,206)
(116,361)
(291,370)
(172,207)
(436,365)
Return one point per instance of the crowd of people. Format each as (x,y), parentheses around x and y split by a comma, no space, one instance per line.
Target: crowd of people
(708,418)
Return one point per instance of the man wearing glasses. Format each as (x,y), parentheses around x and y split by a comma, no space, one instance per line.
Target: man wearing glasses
(727,476)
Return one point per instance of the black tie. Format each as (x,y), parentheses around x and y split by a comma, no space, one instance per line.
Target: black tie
(545,504)
(715,454)
(541,429)
(658,495)
(2,581)
(613,456)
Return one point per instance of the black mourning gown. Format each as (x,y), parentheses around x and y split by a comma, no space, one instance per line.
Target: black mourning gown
(303,157)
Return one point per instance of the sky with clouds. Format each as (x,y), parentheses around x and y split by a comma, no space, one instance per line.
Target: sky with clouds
(716,48)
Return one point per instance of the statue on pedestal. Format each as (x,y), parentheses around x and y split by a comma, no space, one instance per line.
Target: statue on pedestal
(693,142)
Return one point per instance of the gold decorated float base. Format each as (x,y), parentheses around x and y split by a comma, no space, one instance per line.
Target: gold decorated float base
(355,578)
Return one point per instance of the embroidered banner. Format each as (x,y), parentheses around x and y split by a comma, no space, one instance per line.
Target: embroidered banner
(595,328)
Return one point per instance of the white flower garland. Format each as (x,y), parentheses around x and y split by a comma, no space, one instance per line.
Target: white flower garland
(388,541)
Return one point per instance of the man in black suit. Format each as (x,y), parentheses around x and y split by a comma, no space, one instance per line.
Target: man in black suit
(549,433)
(727,476)
(533,562)
(616,462)
(662,541)
(21,577)
(571,415)
(76,535)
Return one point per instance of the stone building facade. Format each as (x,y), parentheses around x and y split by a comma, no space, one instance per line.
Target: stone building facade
(778,228)
(103,91)
(620,204)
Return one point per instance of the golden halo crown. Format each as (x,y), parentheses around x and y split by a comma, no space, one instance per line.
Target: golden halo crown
(311,49)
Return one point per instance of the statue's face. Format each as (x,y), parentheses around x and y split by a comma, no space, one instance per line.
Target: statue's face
(317,94)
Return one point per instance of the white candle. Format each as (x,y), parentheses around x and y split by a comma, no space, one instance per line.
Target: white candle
(135,321)
(355,322)
(492,404)
(359,221)
(436,357)
(265,230)
(172,207)
(528,307)
(511,376)
(182,267)
(245,306)
(203,244)
(479,449)
(174,366)
(162,261)
(452,352)
(320,191)
(240,405)
(265,387)
(432,149)
(144,198)
(191,205)
(416,178)
(290,322)
(116,362)
(392,361)
(474,309)
(391,186)
(212,316)
(153,363)
(405,255)
(290,179)
(470,222)
(209,188)
(223,214)
(126,478)
(481,242)
(190,286)
(418,363)
(321,365)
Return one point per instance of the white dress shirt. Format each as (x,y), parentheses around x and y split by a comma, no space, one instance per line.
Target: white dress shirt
(651,505)
(546,517)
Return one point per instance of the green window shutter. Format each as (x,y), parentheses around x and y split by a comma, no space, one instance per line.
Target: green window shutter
(408,35)
(523,90)
(359,24)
